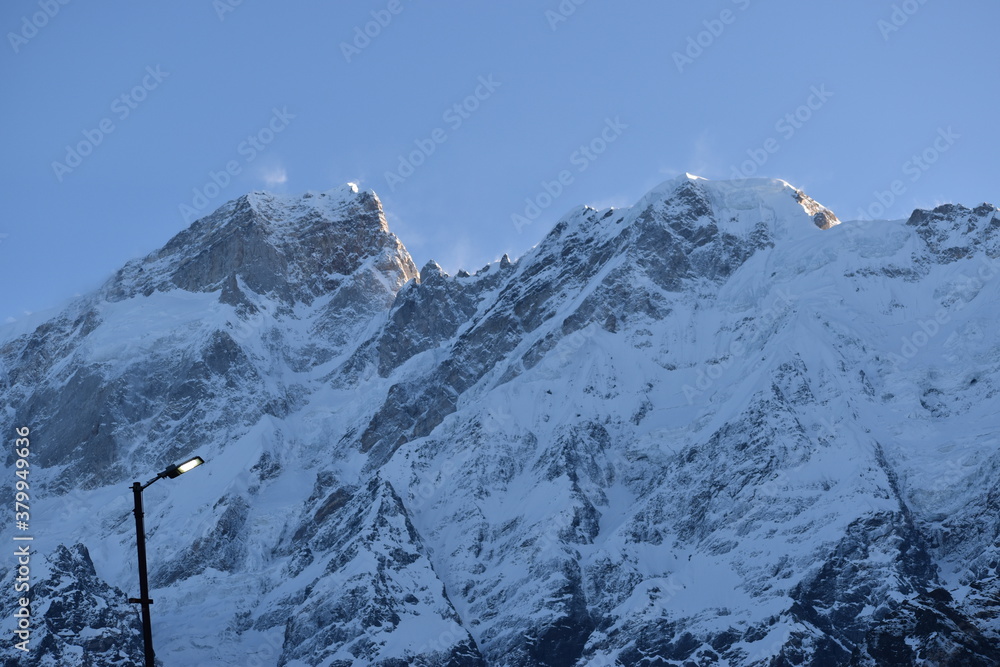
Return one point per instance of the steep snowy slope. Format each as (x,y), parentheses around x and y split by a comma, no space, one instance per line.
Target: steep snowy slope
(716,428)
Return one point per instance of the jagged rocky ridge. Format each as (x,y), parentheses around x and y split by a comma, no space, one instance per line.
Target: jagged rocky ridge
(715,428)
(78,619)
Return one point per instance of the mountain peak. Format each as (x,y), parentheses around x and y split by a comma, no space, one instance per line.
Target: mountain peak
(293,245)
(345,202)
(740,195)
(722,222)
(431,271)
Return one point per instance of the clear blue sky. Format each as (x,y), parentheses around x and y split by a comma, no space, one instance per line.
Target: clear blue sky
(161,95)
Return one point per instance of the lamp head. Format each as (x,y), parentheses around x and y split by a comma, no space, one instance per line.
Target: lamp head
(178,469)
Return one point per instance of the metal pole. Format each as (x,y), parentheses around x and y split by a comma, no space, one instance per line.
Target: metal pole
(140,543)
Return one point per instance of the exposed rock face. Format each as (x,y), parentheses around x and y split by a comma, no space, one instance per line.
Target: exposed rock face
(428,314)
(293,249)
(953,232)
(719,427)
(253,269)
(388,584)
(77,619)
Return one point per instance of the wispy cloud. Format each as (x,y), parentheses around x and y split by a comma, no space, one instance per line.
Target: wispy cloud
(704,159)
(274,176)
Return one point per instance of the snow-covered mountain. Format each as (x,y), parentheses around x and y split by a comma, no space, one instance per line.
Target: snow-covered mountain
(719,427)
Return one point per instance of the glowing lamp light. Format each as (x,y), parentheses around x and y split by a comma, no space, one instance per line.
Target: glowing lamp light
(181,468)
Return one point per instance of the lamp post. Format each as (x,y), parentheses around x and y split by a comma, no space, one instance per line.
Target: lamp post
(172,471)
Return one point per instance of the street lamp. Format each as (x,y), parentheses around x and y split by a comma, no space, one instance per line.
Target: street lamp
(171,472)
